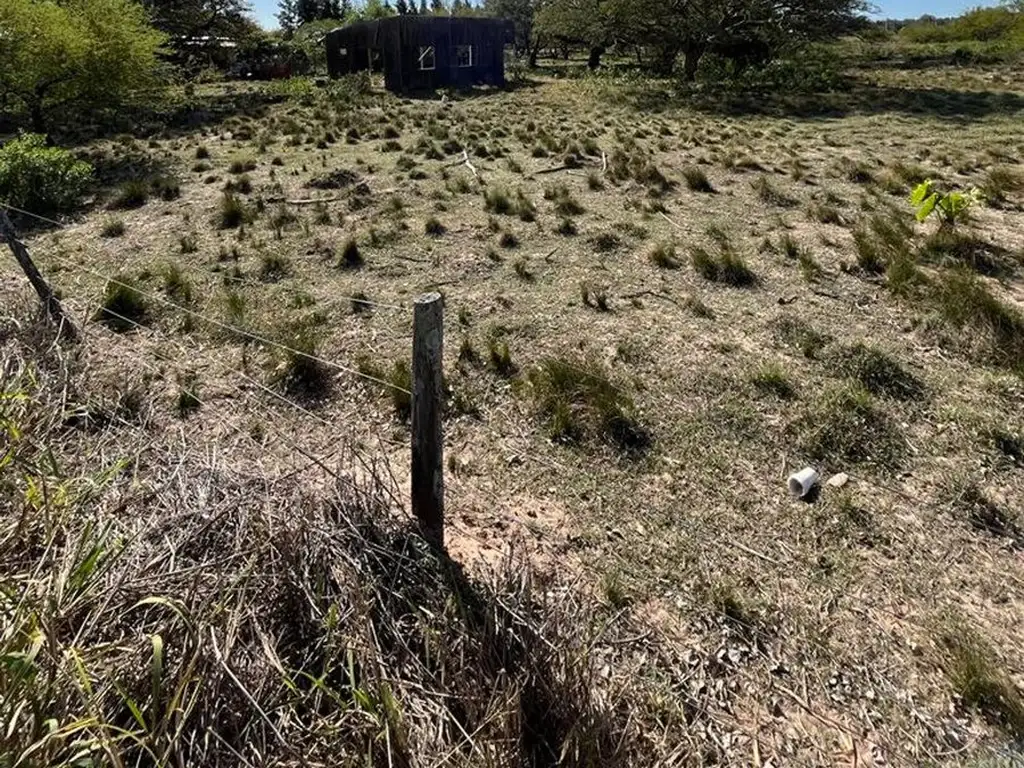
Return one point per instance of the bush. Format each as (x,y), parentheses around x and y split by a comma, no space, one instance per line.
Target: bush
(38,178)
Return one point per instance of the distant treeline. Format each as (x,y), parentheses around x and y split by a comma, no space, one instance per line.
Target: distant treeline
(1003,24)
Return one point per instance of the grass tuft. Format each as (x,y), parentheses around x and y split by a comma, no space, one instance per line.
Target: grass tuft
(876,371)
(696,179)
(771,379)
(579,401)
(844,426)
(123,305)
(978,678)
(663,255)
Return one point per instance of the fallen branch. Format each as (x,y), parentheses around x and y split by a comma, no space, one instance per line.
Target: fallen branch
(604,163)
(674,224)
(556,169)
(465,162)
(303,201)
(655,294)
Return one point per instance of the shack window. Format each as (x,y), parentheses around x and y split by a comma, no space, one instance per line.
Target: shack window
(464,56)
(427,57)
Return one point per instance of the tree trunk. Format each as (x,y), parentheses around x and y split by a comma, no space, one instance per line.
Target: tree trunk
(38,121)
(664,61)
(692,55)
(594,59)
(534,52)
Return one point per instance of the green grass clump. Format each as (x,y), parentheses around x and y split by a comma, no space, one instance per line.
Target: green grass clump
(663,255)
(112,228)
(979,679)
(579,401)
(434,227)
(176,285)
(845,426)
(696,179)
(124,307)
(350,257)
(564,202)
(499,357)
(794,332)
(876,371)
(726,267)
(234,212)
(996,328)
(498,200)
(771,379)
(881,241)
(295,367)
(132,194)
(273,267)
(769,194)
(605,242)
(395,381)
(242,165)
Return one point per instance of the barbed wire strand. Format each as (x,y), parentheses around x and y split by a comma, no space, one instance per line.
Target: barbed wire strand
(233,329)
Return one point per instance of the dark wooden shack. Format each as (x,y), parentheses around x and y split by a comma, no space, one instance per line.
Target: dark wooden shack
(422,52)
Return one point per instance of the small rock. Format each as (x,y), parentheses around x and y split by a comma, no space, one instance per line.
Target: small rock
(838,481)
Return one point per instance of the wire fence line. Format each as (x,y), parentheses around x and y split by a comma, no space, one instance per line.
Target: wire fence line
(241,332)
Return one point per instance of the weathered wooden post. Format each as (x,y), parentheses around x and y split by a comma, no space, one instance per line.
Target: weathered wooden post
(427,404)
(8,234)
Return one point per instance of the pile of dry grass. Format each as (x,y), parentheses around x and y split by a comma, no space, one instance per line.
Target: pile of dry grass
(186,614)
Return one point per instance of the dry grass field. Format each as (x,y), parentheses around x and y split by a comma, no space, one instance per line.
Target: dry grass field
(657,307)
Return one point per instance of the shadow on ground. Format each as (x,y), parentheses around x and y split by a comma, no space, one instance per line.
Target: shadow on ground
(859,99)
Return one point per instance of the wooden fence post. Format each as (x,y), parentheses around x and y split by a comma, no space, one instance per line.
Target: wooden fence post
(427,404)
(8,234)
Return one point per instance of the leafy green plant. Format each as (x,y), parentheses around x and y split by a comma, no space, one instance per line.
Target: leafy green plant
(39,178)
(950,207)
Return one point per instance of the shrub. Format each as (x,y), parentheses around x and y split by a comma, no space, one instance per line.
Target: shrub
(578,400)
(38,178)
(124,307)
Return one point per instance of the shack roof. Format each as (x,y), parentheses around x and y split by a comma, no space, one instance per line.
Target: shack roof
(414,29)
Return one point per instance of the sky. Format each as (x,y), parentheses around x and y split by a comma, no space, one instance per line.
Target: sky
(266,10)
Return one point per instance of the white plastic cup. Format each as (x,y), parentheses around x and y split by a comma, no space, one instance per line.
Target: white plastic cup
(802,483)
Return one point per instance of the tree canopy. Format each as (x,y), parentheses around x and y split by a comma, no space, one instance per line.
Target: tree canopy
(74,55)
(691,28)
(190,18)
